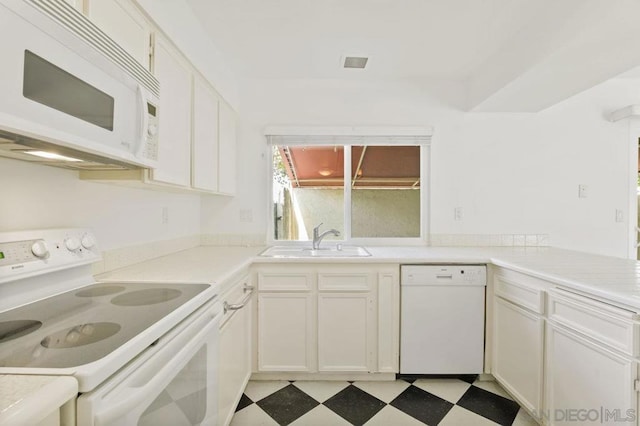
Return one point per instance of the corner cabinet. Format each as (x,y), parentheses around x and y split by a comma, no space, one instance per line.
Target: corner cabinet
(204,173)
(592,361)
(227,160)
(565,357)
(328,319)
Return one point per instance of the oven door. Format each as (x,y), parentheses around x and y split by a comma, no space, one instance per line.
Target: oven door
(174,382)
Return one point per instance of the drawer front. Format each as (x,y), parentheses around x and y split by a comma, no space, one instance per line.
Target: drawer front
(613,326)
(294,281)
(519,293)
(344,281)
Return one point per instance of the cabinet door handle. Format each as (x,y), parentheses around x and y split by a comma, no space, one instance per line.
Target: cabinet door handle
(234,307)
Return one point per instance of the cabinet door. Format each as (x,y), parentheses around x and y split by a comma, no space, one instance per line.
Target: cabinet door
(285,331)
(174,115)
(205,137)
(346,332)
(518,338)
(227,175)
(234,361)
(582,375)
(124,23)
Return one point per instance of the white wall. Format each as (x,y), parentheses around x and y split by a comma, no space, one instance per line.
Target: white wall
(511,173)
(36,196)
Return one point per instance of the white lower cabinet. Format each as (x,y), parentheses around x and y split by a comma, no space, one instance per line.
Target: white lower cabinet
(591,362)
(586,382)
(324,318)
(518,337)
(234,368)
(285,331)
(567,358)
(345,332)
(518,342)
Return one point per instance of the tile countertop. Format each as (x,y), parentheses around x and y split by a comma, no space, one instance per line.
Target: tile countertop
(27,400)
(610,278)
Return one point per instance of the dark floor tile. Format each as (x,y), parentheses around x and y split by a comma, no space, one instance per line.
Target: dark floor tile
(287,404)
(487,404)
(245,401)
(469,378)
(354,405)
(422,405)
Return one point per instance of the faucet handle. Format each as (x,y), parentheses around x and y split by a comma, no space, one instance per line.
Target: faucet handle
(317,228)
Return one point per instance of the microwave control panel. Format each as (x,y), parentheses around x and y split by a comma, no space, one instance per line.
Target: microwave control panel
(151,137)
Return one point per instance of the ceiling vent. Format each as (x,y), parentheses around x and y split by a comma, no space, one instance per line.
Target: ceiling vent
(357,62)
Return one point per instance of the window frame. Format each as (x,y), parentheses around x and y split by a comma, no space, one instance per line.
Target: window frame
(425,191)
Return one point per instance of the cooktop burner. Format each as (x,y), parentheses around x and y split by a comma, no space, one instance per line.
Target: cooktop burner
(96,291)
(10,330)
(146,297)
(80,335)
(82,325)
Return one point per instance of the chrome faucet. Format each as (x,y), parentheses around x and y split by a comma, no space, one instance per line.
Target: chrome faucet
(317,238)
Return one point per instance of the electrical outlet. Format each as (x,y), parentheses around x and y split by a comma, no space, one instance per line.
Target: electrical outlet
(457,213)
(582,191)
(246,215)
(619,216)
(165,215)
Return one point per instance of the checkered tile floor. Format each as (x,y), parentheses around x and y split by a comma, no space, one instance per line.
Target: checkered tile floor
(461,401)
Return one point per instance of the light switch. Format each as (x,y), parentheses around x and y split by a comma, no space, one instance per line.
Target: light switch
(619,215)
(582,191)
(165,215)
(457,213)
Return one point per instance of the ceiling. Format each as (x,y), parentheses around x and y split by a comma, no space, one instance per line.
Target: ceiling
(519,55)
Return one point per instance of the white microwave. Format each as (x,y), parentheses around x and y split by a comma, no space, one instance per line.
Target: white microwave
(70,95)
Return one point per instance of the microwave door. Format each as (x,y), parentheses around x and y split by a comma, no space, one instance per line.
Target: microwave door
(52,93)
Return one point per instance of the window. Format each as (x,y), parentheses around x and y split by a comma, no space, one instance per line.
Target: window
(363,190)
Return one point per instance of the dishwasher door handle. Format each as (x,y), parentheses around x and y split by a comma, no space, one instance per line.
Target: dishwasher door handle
(450,276)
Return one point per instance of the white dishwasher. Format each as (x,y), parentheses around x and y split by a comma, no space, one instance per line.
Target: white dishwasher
(442,319)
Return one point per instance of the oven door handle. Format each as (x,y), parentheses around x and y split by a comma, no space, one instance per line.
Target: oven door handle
(236,306)
(141,387)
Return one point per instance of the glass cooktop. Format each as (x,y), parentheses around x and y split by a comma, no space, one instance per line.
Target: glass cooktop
(86,324)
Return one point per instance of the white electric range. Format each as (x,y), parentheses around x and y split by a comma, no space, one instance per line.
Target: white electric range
(142,353)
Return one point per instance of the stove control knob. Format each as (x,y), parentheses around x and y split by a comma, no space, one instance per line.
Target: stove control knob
(39,249)
(72,243)
(88,241)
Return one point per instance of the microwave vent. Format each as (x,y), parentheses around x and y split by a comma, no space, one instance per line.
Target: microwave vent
(75,22)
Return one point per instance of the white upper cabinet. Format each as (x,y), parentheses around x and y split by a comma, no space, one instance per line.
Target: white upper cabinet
(227,174)
(124,23)
(197,128)
(174,130)
(205,137)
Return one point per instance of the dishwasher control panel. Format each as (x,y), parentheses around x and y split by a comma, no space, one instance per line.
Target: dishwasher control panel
(425,275)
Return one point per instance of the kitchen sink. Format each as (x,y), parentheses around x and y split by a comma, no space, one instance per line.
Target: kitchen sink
(293,252)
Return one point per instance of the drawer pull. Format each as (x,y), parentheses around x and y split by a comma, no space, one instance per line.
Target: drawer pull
(234,307)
